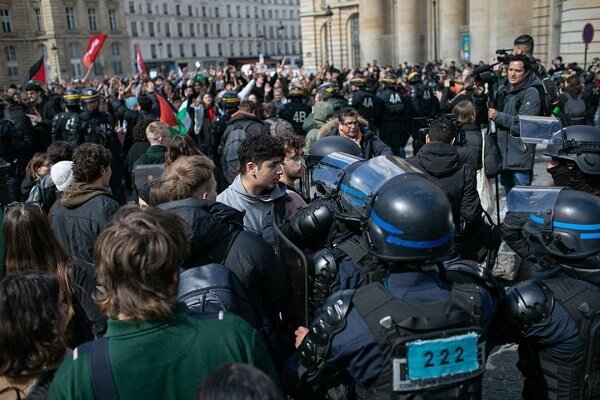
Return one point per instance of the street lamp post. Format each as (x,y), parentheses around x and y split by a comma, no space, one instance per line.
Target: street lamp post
(435,43)
(56,66)
(329,15)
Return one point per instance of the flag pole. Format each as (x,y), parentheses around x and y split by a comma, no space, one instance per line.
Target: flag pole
(88,72)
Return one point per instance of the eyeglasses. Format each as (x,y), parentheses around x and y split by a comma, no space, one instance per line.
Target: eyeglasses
(350,123)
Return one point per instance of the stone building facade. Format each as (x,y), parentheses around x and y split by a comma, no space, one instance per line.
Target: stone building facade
(60,31)
(395,31)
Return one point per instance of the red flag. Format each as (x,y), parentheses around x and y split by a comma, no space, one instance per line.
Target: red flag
(167,112)
(93,49)
(37,72)
(139,61)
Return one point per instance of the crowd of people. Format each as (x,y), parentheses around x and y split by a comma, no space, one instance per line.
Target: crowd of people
(283,241)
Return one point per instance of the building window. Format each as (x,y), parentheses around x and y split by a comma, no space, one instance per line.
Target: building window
(177,10)
(98,67)
(181,50)
(92,18)
(131,7)
(247,12)
(153,51)
(167,29)
(220,48)
(165,9)
(192,31)
(239,33)
(142,27)
(205,30)
(230,30)
(294,48)
(211,29)
(112,20)
(190,11)
(134,31)
(207,49)
(194,50)
(231,52)
(169,50)
(355,40)
(10,54)
(228,11)
(217,12)
(13,73)
(204,11)
(250,48)
(179,29)
(248,30)
(75,60)
(38,20)
(219,30)
(239,12)
(70,18)
(241,45)
(149,8)
(151,29)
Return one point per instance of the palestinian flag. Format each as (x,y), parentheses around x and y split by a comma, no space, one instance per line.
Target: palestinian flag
(37,72)
(183,118)
(169,115)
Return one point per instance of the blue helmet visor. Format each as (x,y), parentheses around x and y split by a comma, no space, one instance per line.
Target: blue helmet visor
(328,173)
(538,129)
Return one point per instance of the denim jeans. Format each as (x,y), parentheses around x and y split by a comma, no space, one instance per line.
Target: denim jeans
(511,178)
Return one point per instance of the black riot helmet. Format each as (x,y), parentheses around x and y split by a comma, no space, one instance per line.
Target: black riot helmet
(573,232)
(408,219)
(320,149)
(390,81)
(362,180)
(413,78)
(579,144)
(89,95)
(359,81)
(588,77)
(230,101)
(330,88)
(72,98)
(328,145)
(296,92)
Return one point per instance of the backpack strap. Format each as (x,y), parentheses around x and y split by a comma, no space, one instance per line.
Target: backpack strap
(102,377)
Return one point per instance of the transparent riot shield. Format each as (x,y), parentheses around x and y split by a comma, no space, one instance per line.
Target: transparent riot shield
(538,130)
(295,264)
(328,173)
(535,202)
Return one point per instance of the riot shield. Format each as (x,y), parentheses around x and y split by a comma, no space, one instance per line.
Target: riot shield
(538,130)
(295,264)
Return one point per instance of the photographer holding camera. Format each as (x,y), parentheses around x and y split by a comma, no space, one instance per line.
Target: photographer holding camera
(522,93)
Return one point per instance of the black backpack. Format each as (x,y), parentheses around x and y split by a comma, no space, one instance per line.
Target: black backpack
(574,112)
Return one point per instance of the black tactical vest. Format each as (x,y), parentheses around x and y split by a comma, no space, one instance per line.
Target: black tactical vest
(436,349)
(577,376)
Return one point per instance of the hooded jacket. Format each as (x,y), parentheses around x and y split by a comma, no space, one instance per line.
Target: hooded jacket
(79,216)
(523,99)
(217,236)
(457,179)
(323,113)
(370,144)
(258,216)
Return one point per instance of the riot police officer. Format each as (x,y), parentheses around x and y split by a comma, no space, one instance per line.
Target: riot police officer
(366,103)
(295,111)
(425,104)
(396,119)
(413,331)
(229,105)
(575,153)
(67,125)
(330,92)
(555,318)
(96,127)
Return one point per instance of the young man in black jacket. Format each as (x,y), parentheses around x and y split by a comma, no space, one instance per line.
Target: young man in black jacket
(439,158)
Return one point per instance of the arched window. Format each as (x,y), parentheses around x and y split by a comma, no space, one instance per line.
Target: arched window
(75,60)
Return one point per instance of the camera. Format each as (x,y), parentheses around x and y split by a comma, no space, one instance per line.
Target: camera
(425,123)
(504,56)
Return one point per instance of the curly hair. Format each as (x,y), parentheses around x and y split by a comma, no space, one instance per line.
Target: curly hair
(88,159)
(258,149)
(137,258)
(181,145)
(32,335)
(60,151)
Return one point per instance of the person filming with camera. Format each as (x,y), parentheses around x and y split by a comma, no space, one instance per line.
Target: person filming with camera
(522,96)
